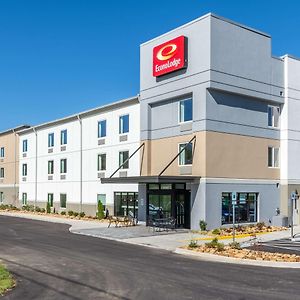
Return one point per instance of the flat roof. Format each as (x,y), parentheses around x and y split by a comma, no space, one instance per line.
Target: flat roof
(151,179)
(204,17)
(90,112)
(15,129)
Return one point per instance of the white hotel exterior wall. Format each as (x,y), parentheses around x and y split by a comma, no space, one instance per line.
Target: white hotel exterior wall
(91,185)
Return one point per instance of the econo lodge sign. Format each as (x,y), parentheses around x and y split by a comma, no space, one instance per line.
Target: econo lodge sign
(169,57)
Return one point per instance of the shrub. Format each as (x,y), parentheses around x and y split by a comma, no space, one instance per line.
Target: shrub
(48,208)
(43,210)
(37,209)
(193,244)
(100,213)
(63,213)
(82,215)
(203,225)
(70,213)
(75,214)
(235,245)
(260,225)
(215,244)
(216,231)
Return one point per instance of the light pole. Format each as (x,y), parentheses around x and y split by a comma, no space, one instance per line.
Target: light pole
(294,197)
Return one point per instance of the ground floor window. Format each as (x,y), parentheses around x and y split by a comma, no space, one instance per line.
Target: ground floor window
(24,198)
(245,210)
(50,199)
(102,198)
(1,197)
(63,200)
(126,203)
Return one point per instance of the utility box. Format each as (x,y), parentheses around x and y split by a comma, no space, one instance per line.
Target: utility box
(280,221)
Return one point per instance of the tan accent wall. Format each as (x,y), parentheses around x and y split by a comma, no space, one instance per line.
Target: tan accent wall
(10,163)
(216,155)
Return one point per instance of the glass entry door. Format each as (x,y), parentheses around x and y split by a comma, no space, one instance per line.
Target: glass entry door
(160,206)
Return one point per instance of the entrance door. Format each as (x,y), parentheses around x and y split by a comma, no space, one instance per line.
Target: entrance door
(182,201)
(160,206)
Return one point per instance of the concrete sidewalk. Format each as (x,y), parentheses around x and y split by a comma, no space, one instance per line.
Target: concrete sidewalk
(142,235)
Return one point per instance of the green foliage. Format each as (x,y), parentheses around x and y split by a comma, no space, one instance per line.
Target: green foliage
(215,244)
(37,209)
(43,210)
(235,245)
(203,225)
(193,244)
(75,214)
(48,208)
(260,225)
(82,215)
(100,213)
(6,280)
(216,231)
(28,208)
(63,213)
(70,213)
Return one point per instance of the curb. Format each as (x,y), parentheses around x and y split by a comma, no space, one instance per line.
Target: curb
(224,259)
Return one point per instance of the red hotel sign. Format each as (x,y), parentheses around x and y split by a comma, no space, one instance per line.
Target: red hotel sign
(169,56)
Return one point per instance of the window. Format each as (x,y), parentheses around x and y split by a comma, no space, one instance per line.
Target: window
(1,172)
(273,157)
(63,166)
(50,140)
(102,129)
(101,162)
(25,145)
(126,203)
(185,110)
(63,200)
(64,137)
(273,116)
(50,167)
(123,156)
(50,199)
(245,209)
(186,156)
(24,199)
(102,198)
(124,124)
(24,170)
(2,152)
(1,197)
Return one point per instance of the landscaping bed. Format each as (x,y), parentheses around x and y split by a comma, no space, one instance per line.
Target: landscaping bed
(235,251)
(6,280)
(29,209)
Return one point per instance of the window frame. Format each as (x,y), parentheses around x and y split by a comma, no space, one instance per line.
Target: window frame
(25,146)
(51,145)
(51,204)
(273,157)
(272,108)
(179,110)
(52,169)
(24,199)
(99,131)
(2,173)
(121,127)
(124,168)
(65,166)
(2,152)
(24,170)
(98,165)
(60,200)
(179,157)
(64,132)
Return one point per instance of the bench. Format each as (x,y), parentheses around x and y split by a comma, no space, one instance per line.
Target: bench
(124,221)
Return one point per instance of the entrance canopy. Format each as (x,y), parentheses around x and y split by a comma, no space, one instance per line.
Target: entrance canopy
(152,179)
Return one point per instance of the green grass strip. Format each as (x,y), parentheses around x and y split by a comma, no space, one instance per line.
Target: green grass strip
(6,280)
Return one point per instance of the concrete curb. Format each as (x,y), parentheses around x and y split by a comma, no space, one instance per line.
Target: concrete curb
(224,259)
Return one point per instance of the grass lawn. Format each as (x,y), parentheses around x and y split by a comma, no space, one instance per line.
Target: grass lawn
(6,280)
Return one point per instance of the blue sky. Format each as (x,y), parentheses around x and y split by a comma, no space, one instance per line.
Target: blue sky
(61,57)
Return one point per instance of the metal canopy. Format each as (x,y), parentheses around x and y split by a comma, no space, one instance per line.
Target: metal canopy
(151,179)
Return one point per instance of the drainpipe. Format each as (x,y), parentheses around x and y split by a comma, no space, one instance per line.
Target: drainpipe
(15,175)
(36,166)
(80,124)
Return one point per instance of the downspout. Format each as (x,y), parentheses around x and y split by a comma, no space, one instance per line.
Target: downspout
(15,175)
(36,166)
(80,124)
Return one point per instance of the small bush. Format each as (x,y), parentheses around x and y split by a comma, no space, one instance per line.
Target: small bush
(193,244)
(235,245)
(216,231)
(203,225)
(100,213)
(215,244)
(63,213)
(82,215)
(260,225)
(48,208)
(37,209)
(75,214)
(43,210)
(70,213)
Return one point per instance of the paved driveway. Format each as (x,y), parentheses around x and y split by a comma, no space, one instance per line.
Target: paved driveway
(51,263)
